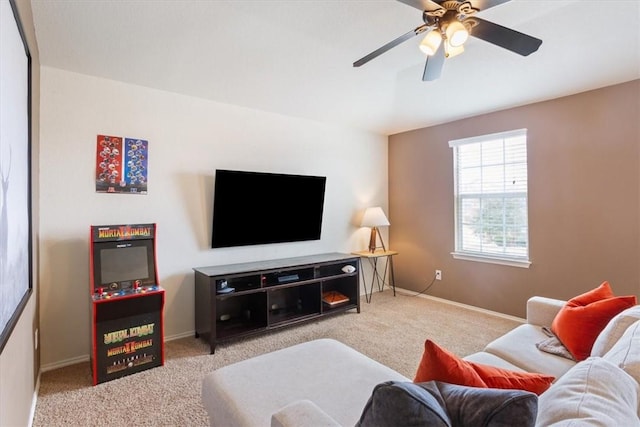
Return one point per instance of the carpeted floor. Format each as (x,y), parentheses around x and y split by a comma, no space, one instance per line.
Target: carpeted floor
(391,330)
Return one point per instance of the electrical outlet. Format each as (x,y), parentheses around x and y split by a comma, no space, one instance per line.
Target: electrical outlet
(438,274)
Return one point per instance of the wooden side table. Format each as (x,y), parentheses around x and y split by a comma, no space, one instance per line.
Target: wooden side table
(376,278)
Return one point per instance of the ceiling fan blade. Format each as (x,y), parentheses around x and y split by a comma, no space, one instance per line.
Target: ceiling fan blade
(391,44)
(504,37)
(433,66)
(424,5)
(487,4)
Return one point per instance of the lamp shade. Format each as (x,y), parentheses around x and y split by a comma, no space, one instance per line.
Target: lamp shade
(431,43)
(457,34)
(451,51)
(374,217)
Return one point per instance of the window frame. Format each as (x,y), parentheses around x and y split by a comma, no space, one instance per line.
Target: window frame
(479,256)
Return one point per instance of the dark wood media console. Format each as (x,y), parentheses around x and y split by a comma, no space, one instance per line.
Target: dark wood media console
(272,294)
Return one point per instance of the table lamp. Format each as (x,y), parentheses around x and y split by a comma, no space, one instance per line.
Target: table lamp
(374,218)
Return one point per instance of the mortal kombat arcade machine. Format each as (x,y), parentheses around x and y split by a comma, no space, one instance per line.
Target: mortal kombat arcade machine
(126,301)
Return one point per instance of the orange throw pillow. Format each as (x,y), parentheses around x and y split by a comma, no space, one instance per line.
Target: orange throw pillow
(601,292)
(495,377)
(580,321)
(438,364)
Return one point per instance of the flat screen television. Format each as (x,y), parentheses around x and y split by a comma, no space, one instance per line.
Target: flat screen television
(255,208)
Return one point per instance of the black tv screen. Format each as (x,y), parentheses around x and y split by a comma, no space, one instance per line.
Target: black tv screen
(254,208)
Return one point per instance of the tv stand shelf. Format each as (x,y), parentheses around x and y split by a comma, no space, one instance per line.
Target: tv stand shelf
(271,294)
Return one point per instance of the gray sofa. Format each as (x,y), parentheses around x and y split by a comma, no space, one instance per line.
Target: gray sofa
(326,383)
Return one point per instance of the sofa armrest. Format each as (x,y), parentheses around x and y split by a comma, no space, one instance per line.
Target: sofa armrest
(302,413)
(541,310)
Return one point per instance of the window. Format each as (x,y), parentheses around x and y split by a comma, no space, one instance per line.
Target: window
(491,221)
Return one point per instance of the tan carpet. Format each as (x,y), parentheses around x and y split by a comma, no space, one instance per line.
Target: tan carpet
(391,330)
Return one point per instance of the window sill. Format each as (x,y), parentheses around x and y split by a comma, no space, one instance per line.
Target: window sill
(492,260)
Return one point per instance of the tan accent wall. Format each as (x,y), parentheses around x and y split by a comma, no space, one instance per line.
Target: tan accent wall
(584,202)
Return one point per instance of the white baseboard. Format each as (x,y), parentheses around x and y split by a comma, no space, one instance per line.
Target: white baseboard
(63,363)
(459,304)
(187,334)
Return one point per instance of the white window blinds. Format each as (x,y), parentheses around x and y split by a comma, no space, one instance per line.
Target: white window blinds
(491,218)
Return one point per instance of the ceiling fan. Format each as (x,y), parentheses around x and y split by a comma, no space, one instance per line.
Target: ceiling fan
(447,24)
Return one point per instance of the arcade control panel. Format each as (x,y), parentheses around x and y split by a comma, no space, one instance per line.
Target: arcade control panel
(123,289)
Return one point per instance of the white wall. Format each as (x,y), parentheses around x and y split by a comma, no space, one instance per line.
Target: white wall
(188,139)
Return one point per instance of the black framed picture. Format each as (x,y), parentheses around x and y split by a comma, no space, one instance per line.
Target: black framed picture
(15,170)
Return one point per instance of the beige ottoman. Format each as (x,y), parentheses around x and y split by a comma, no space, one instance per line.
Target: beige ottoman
(334,377)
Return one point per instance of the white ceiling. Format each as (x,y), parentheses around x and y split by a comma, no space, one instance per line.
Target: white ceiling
(295,57)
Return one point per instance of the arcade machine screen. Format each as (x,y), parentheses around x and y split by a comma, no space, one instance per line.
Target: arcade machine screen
(123,267)
(122,264)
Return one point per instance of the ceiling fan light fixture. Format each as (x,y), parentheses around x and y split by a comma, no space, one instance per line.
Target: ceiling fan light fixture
(431,42)
(456,33)
(451,51)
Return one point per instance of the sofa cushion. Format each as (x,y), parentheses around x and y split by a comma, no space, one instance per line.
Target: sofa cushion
(493,360)
(583,317)
(614,330)
(438,364)
(435,403)
(626,352)
(595,392)
(518,347)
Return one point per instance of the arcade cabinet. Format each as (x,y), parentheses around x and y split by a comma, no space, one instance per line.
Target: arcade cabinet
(127,334)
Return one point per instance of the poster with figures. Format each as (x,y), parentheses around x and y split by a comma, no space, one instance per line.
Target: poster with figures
(121,165)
